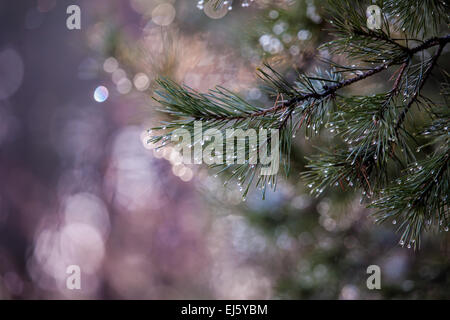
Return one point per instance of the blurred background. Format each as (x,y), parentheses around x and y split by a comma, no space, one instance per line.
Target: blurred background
(80,185)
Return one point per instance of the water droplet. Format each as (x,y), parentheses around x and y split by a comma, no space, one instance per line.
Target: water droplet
(215,12)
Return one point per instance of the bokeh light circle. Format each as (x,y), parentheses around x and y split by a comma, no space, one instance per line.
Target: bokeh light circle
(141,81)
(124,86)
(11,72)
(110,65)
(101,93)
(163,14)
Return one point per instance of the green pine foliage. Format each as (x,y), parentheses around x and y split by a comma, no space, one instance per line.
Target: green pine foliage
(403,170)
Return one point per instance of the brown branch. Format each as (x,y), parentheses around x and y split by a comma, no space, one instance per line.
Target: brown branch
(400,71)
(427,73)
(292,103)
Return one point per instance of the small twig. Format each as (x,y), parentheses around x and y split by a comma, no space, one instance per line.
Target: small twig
(400,71)
(427,73)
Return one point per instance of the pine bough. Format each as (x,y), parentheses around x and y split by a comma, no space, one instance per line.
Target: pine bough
(380,152)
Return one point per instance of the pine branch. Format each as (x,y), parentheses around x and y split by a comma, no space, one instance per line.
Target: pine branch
(375,146)
(442,41)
